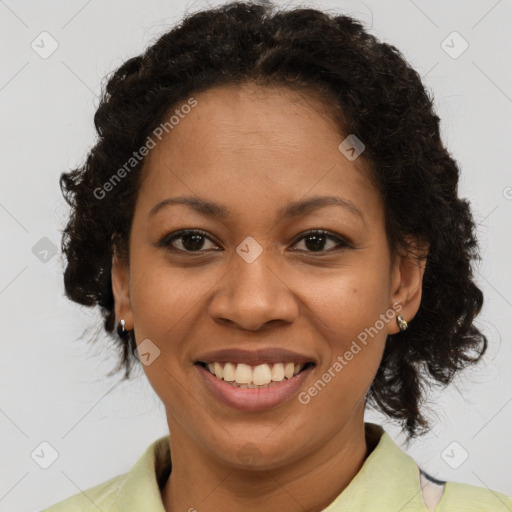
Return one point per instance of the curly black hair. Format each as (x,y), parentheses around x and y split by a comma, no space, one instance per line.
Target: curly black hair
(382,101)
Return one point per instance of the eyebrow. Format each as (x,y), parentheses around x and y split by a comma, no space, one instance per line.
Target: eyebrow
(295,209)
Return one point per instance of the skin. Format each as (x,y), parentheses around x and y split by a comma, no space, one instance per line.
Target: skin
(254,150)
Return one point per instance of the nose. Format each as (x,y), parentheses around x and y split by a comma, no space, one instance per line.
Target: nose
(252,295)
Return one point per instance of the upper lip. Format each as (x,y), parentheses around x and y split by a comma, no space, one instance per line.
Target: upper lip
(254,357)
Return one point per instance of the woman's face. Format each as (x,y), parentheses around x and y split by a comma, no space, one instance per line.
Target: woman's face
(253,160)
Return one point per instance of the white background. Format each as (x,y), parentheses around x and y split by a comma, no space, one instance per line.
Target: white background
(52,380)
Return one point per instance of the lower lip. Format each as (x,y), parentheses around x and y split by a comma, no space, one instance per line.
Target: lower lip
(253,399)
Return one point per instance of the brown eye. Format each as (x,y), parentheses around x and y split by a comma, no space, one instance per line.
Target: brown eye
(315,241)
(186,241)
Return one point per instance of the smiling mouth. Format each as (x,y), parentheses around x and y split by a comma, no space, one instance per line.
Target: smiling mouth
(260,376)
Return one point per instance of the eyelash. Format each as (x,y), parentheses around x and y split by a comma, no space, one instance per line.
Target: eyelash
(167,240)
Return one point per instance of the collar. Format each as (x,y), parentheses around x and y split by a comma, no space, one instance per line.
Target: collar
(388,480)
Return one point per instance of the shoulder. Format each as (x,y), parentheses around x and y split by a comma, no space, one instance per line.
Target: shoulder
(471,498)
(102,496)
(397,475)
(135,490)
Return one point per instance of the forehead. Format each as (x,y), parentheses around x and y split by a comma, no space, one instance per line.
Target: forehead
(244,144)
(256,114)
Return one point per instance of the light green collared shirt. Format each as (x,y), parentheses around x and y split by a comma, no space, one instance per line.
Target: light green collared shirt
(388,481)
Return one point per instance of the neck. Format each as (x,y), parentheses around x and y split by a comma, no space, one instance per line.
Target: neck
(199,481)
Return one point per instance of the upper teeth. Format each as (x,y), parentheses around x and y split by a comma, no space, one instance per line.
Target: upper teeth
(258,375)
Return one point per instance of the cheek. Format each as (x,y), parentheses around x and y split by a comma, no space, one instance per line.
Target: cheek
(351,313)
(162,298)
(355,339)
(352,301)
(165,307)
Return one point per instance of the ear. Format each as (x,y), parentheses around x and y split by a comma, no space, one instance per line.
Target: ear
(408,269)
(121,290)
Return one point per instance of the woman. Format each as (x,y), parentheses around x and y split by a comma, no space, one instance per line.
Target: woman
(270,223)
